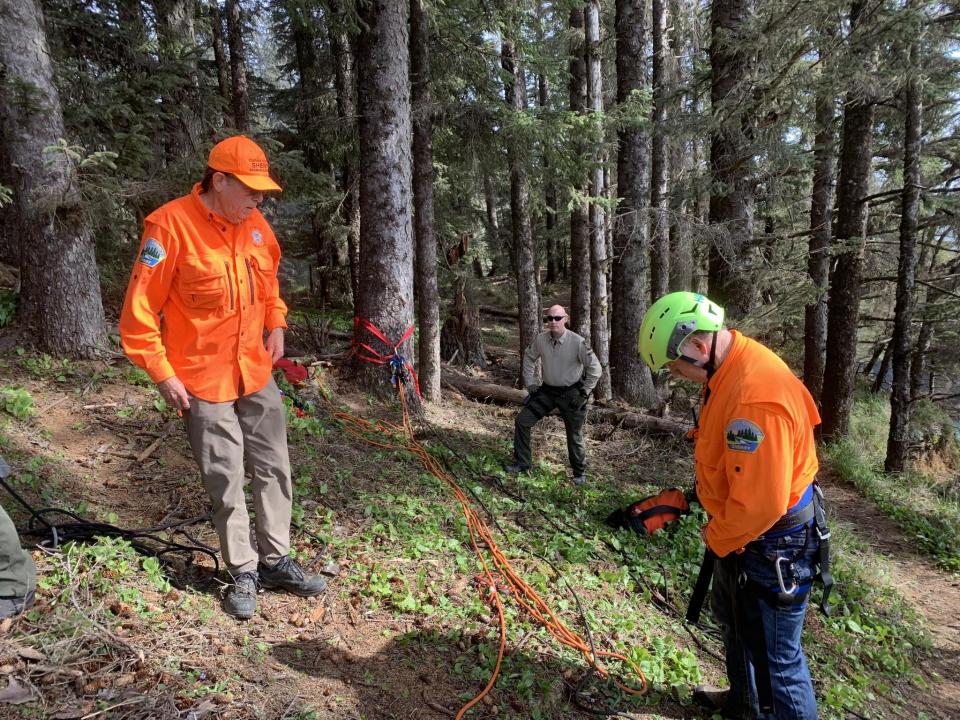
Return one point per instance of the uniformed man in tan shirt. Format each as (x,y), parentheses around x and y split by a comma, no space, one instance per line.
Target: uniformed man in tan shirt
(570,371)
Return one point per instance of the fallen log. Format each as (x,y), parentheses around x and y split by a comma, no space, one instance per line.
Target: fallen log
(498,313)
(481,390)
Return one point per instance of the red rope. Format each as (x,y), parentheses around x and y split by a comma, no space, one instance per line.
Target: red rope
(365,352)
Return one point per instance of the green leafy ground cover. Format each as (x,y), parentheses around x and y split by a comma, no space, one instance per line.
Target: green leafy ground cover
(406,584)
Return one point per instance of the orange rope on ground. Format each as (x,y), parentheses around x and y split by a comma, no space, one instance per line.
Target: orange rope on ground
(525,595)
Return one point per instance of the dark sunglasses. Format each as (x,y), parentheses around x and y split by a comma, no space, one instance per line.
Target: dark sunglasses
(553,318)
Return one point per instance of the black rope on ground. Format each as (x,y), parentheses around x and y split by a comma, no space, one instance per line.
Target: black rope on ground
(144,540)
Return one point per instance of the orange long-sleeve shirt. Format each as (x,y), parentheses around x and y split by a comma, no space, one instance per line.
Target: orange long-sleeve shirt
(200,296)
(755,453)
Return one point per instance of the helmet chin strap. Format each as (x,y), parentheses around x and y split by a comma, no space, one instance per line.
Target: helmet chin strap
(711,366)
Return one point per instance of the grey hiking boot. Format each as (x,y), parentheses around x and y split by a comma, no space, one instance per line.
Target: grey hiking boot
(241,598)
(579,480)
(10,606)
(515,469)
(288,575)
(712,698)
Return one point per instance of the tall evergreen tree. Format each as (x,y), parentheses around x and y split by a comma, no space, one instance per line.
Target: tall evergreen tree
(60,286)
(386,233)
(629,374)
(428,298)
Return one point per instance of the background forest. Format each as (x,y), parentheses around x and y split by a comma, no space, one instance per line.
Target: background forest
(442,160)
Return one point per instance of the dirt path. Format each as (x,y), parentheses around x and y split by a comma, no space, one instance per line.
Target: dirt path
(934,593)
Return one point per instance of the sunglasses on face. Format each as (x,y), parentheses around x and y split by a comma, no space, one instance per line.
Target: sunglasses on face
(553,318)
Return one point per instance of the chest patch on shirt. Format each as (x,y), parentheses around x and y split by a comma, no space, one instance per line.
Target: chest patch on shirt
(257,237)
(152,253)
(743,436)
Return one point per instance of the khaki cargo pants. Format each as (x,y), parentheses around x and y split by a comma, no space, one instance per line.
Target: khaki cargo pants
(227,438)
(18,576)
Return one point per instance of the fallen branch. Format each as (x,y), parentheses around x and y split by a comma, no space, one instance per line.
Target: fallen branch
(481,390)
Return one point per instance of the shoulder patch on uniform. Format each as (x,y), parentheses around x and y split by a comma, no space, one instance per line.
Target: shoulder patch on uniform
(257,237)
(152,253)
(743,435)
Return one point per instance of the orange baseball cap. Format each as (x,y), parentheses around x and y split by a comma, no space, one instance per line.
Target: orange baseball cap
(245,160)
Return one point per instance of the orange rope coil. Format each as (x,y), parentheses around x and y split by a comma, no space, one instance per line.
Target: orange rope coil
(480,534)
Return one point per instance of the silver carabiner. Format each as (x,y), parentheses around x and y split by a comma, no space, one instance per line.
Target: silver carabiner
(783,588)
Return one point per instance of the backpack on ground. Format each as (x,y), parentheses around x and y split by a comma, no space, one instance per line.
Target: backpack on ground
(652,513)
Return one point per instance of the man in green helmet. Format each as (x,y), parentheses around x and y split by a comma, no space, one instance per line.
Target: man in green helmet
(766,536)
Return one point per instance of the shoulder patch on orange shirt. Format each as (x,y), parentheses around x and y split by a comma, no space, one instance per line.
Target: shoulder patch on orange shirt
(152,253)
(743,435)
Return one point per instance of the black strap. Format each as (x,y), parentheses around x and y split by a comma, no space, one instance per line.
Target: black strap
(823,532)
(792,520)
(702,586)
(658,510)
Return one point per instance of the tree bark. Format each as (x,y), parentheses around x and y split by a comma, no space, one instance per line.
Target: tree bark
(549,194)
(884,368)
(178,52)
(428,296)
(818,261)
(731,157)
(579,230)
(599,309)
(309,90)
(906,270)
(220,60)
(238,66)
(843,309)
(386,235)
(60,285)
(460,339)
(494,244)
(345,84)
(525,266)
(659,198)
(630,376)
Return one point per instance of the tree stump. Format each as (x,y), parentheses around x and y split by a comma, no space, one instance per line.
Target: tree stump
(460,341)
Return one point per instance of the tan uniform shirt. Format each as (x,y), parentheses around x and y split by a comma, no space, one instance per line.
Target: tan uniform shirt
(562,361)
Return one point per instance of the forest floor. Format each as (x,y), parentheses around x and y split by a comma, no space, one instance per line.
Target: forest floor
(402,631)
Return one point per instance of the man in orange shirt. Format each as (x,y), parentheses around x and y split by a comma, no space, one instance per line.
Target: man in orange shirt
(756,464)
(201,295)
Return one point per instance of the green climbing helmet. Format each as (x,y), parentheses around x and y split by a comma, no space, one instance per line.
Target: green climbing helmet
(670,321)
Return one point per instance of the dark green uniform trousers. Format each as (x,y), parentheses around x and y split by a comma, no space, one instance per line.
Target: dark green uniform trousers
(573,410)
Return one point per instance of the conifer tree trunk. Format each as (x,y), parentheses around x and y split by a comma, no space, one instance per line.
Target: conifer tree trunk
(427,294)
(309,89)
(681,239)
(918,361)
(599,307)
(525,267)
(549,195)
(220,60)
(843,309)
(240,95)
(659,199)
(59,282)
(178,51)
(731,156)
(906,271)
(386,234)
(345,84)
(579,230)
(630,376)
(494,244)
(818,261)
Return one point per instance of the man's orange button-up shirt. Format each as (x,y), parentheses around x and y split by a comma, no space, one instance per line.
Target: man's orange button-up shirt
(755,453)
(201,293)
